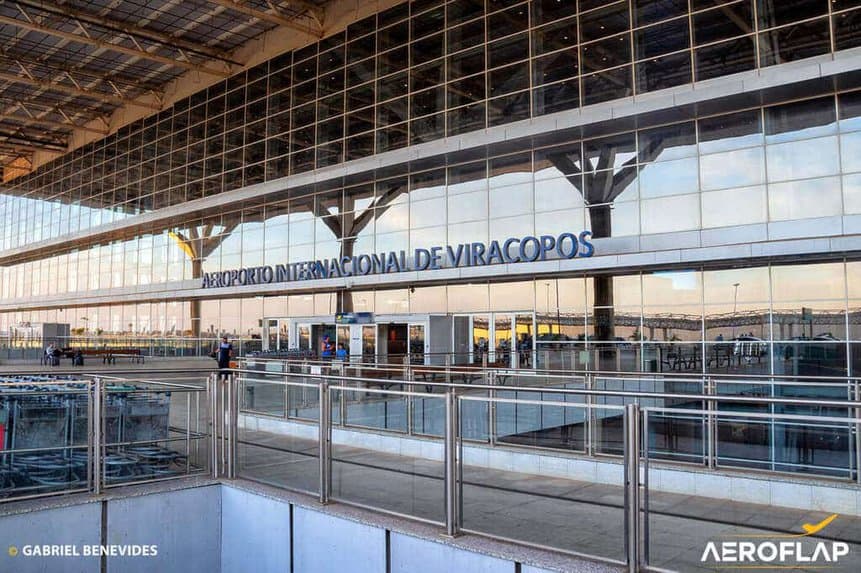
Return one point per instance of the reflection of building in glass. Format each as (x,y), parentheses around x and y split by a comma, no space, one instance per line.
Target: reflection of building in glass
(723,221)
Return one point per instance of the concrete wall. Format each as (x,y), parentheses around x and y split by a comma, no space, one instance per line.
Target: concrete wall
(255,532)
(185,524)
(326,544)
(75,525)
(411,554)
(230,529)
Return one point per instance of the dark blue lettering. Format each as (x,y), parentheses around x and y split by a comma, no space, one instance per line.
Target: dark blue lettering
(525,253)
(506,250)
(548,243)
(421,259)
(571,252)
(588,247)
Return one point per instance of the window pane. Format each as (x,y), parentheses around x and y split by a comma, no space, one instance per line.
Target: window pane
(732,168)
(772,14)
(649,11)
(555,67)
(806,158)
(604,22)
(743,206)
(604,86)
(665,72)
(554,36)
(730,131)
(556,97)
(670,214)
(725,58)
(794,42)
(662,39)
(803,199)
(606,53)
(723,23)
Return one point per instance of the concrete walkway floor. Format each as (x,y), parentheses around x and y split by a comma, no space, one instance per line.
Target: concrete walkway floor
(557,513)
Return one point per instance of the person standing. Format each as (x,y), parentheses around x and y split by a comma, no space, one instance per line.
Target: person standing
(327,349)
(223,355)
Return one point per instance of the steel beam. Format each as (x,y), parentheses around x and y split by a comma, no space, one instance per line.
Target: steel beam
(267,16)
(143,54)
(27,140)
(51,124)
(71,90)
(126,28)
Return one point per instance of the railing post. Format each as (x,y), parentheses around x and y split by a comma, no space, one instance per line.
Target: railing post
(410,401)
(213,422)
(325,441)
(448,368)
(97,438)
(589,383)
(452,490)
(711,446)
(491,408)
(632,487)
(858,433)
(646,532)
(232,421)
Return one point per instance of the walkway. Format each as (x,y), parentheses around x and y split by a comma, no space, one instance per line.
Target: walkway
(557,513)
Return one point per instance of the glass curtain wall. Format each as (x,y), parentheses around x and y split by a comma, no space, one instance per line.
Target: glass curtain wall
(416,72)
(744,169)
(786,320)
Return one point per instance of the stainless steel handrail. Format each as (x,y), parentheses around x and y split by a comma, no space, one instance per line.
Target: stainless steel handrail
(634,416)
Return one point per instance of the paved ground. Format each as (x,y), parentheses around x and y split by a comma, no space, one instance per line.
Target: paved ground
(559,513)
(122,365)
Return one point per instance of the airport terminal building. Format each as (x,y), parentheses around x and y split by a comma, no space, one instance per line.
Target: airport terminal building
(633,186)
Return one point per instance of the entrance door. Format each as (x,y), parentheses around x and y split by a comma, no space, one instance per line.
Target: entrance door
(304,335)
(318,331)
(283,336)
(461,340)
(480,338)
(502,339)
(369,343)
(417,343)
(524,340)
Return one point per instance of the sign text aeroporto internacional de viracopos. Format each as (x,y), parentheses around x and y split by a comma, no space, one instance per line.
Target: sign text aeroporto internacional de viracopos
(512,250)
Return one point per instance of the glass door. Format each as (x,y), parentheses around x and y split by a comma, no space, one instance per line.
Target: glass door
(502,333)
(270,335)
(369,343)
(304,333)
(461,342)
(480,338)
(524,340)
(283,335)
(417,343)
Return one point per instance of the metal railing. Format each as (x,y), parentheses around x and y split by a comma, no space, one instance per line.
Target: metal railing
(420,417)
(307,465)
(89,433)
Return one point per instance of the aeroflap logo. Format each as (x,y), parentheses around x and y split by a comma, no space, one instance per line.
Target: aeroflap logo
(778,552)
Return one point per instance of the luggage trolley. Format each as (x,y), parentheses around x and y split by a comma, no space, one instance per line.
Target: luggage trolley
(42,421)
(145,421)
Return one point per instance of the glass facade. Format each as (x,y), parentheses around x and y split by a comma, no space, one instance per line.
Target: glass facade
(425,70)
(417,72)
(798,319)
(787,162)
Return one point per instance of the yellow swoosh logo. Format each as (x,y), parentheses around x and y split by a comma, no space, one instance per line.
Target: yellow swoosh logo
(816,528)
(809,529)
